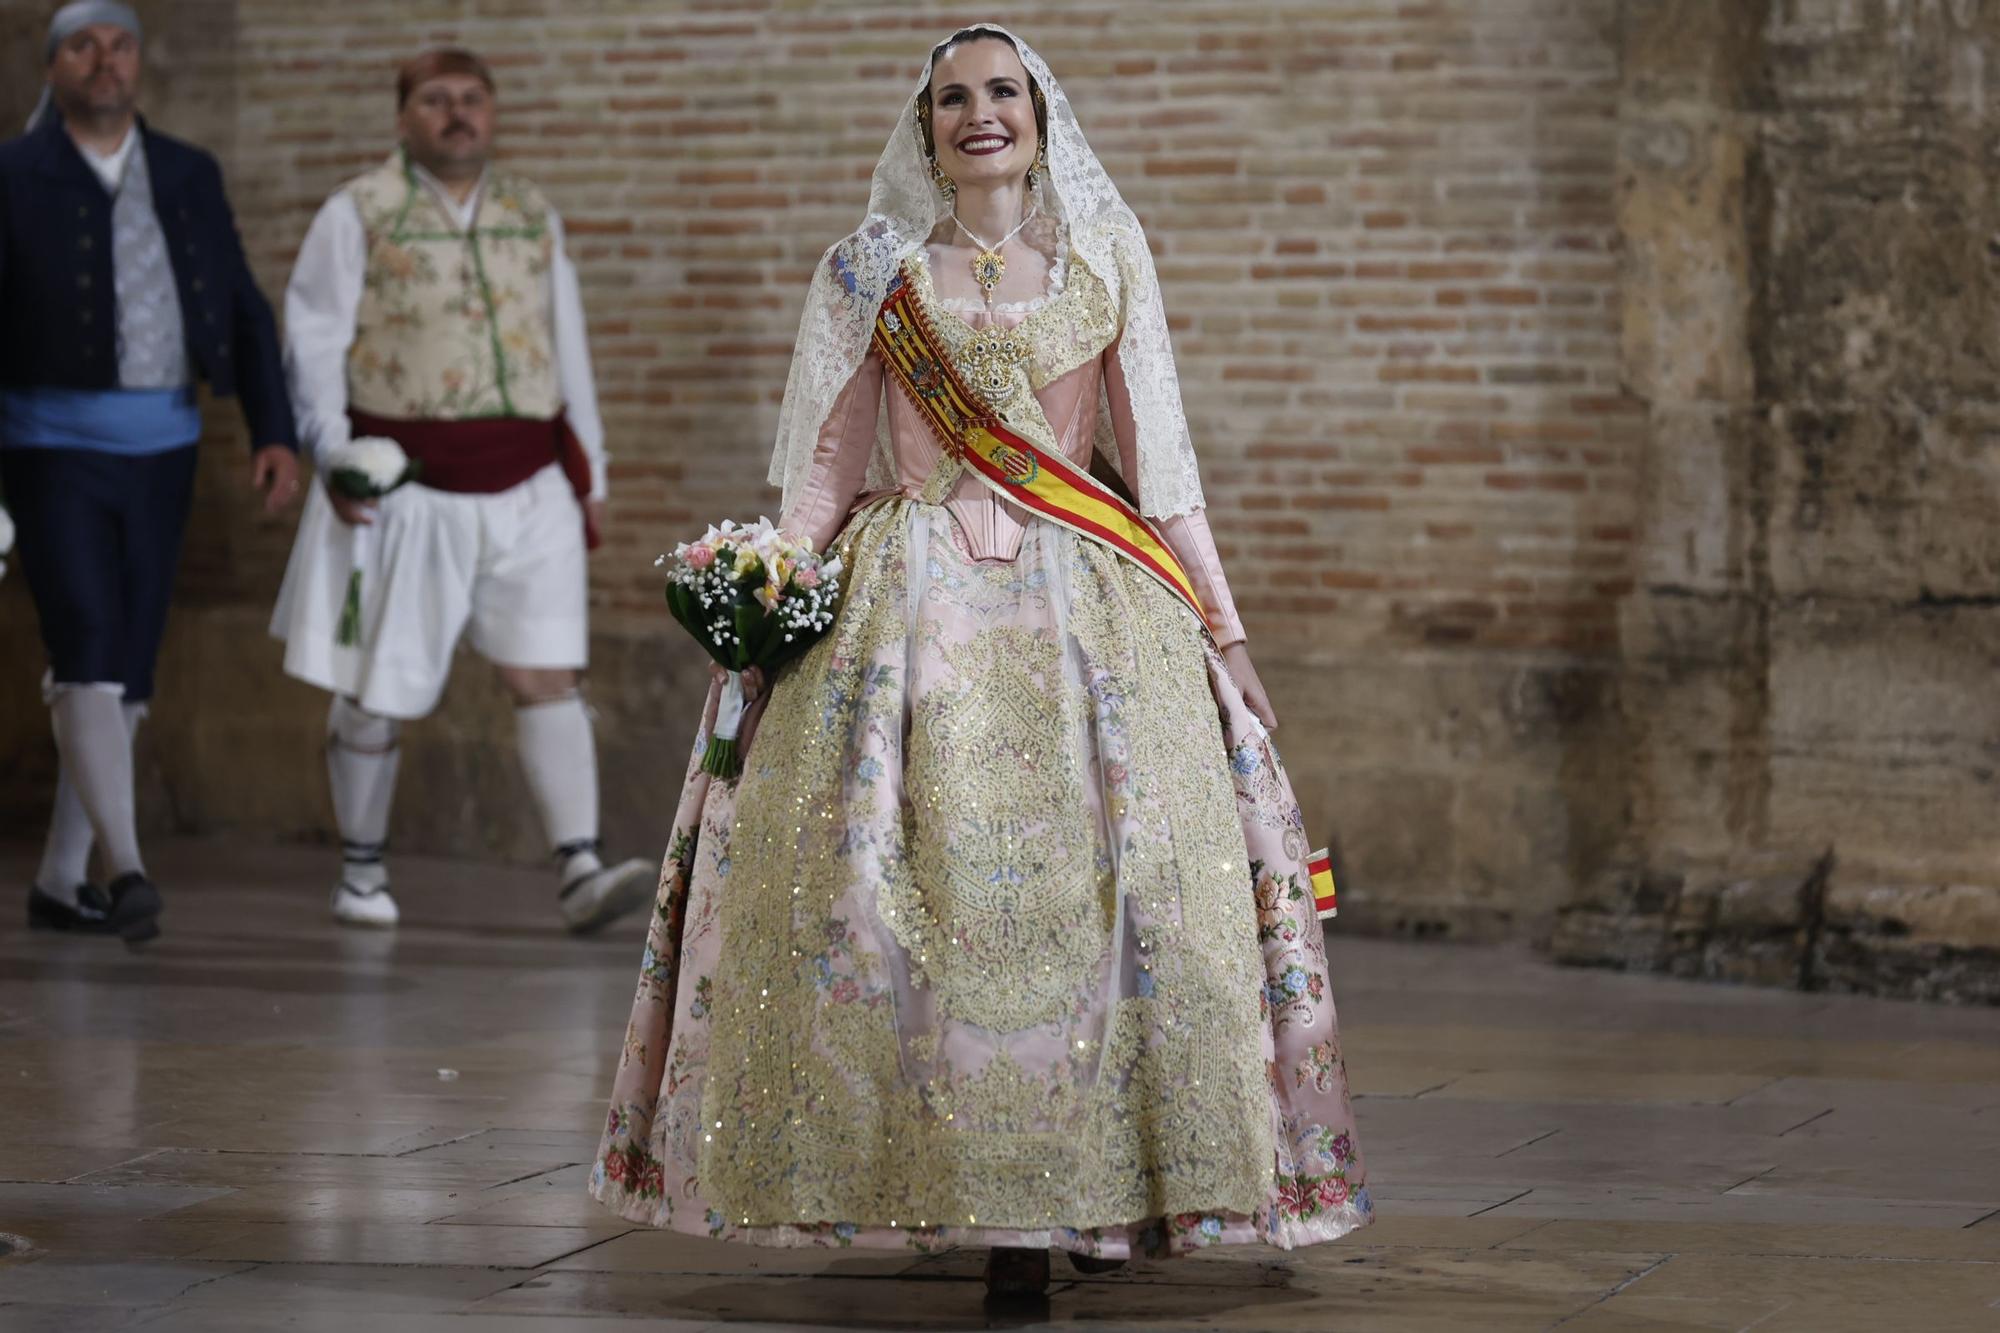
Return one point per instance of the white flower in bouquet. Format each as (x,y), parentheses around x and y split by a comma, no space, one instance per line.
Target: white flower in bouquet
(368,468)
(6,536)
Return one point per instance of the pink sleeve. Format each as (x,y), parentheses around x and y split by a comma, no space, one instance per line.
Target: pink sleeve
(1187,535)
(1189,538)
(840,459)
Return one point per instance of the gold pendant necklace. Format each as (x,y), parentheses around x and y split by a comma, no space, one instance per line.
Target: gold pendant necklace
(987,266)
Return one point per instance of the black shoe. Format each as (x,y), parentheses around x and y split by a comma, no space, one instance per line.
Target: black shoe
(1090,1263)
(1017,1275)
(90,916)
(135,908)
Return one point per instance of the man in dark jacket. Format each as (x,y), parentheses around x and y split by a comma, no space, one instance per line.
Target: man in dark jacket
(121,280)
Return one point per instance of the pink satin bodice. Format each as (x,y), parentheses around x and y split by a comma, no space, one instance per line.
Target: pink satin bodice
(986,526)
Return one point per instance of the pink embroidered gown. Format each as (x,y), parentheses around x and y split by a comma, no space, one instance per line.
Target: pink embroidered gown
(1005,935)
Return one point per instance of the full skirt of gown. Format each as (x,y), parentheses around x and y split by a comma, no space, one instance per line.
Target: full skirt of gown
(1004,937)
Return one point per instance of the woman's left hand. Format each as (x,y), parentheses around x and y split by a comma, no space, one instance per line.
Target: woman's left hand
(1237,658)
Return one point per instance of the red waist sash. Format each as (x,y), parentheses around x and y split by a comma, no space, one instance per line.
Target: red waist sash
(486,455)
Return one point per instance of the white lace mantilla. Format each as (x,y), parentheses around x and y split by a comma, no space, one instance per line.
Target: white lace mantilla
(904,207)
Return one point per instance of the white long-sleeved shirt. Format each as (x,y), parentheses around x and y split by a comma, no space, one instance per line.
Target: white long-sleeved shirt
(324,295)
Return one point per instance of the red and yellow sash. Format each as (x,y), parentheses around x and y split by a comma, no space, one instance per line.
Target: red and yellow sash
(1033,478)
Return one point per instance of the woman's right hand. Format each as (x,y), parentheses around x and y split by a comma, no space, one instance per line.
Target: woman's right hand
(753,680)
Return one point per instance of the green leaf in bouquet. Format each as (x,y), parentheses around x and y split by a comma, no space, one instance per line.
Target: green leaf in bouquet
(750,630)
(782,652)
(687,609)
(684,607)
(350,484)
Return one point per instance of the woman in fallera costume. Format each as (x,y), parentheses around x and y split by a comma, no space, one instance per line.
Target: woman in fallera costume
(1004,937)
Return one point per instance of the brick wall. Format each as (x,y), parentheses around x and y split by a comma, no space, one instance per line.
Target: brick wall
(1384,233)
(1386,237)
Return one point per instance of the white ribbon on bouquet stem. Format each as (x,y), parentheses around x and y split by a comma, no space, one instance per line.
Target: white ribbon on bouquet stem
(729,712)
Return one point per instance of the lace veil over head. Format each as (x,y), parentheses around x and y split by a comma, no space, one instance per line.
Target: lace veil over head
(904,207)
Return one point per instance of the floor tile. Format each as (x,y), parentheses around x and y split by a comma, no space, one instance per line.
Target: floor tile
(268,1122)
(344,1242)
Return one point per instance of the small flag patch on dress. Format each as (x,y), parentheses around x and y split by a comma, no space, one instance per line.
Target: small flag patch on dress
(1320,865)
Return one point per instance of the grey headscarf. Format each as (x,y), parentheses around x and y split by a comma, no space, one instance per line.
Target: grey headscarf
(72,19)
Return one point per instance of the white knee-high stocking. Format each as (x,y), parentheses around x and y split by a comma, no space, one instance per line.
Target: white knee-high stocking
(363,751)
(559,756)
(95,742)
(66,854)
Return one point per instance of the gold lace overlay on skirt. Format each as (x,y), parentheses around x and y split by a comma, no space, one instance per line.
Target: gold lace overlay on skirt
(1003,867)
(1020,986)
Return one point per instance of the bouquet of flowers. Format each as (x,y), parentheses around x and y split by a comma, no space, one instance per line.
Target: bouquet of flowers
(6,536)
(364,469)
(368,468)
(753,597)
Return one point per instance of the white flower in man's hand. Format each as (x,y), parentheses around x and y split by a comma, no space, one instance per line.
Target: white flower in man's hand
(367,469)
(6,536)
(381,461)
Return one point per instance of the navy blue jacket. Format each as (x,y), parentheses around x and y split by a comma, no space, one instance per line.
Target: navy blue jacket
(58,307)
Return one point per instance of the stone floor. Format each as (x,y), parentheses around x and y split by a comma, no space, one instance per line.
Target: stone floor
(264,1122)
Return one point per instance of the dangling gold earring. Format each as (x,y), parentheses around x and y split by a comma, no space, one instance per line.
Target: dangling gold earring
(945,185)
(1041,130)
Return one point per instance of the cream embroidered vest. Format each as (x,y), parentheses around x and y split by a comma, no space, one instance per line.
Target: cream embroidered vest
(453,324)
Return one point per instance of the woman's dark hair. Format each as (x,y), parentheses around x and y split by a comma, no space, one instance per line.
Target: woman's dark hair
(960,38)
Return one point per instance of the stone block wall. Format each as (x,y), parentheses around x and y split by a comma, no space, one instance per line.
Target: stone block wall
(1806,198)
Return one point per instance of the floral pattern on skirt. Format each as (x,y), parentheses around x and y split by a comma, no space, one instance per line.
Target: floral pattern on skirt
(980,950)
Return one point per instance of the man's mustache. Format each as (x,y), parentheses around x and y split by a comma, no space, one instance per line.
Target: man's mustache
(458,127)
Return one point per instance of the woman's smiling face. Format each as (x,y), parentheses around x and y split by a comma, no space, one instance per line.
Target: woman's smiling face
(982,115)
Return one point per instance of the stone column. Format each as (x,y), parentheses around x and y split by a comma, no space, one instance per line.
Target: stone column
(1812,640)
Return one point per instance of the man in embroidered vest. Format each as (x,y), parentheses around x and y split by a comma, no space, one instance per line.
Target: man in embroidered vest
(432,304)
(121,280)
